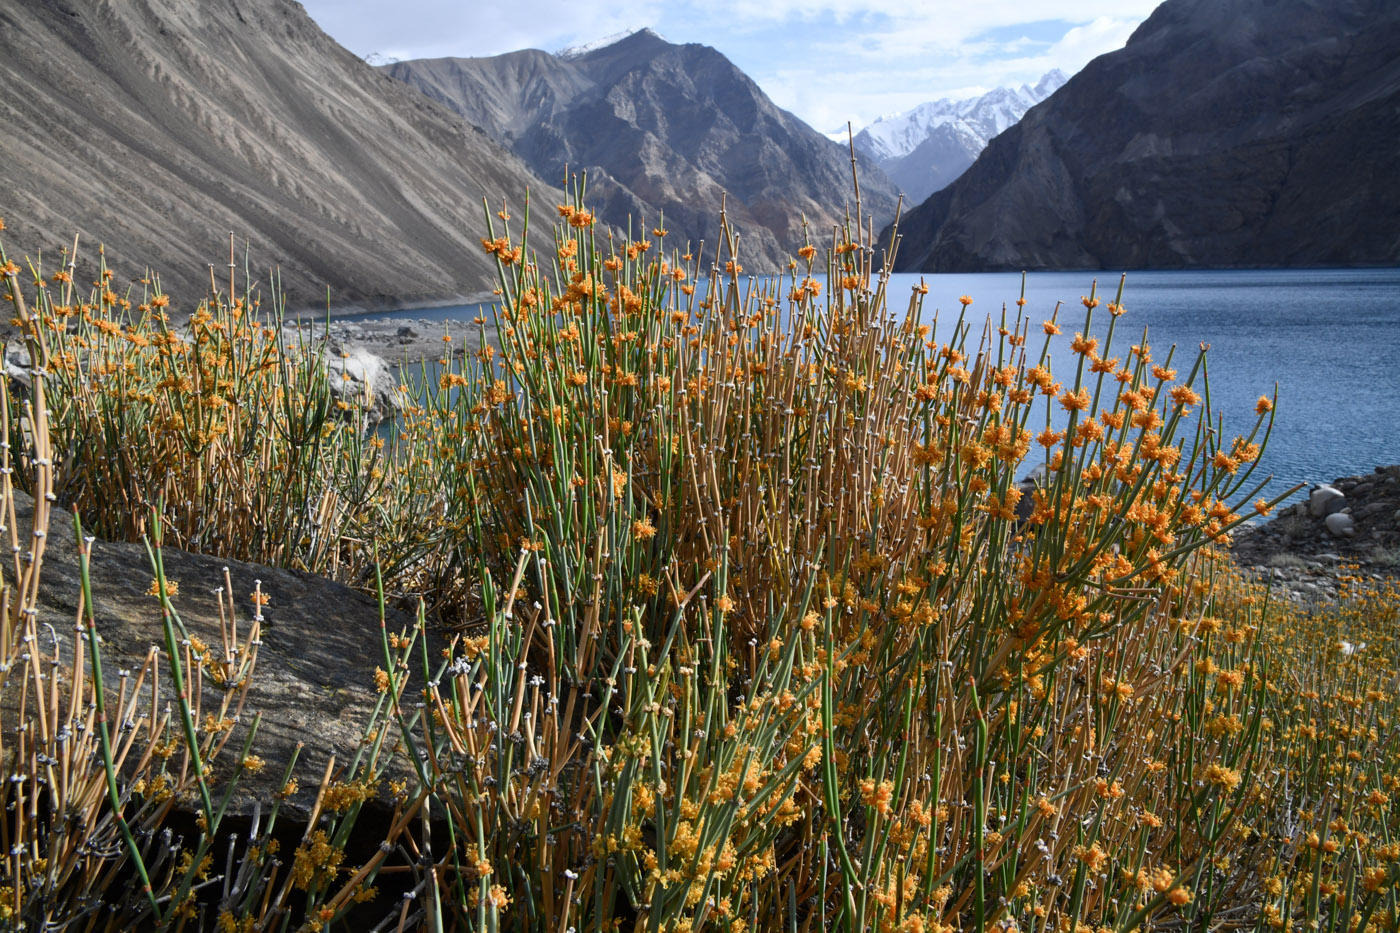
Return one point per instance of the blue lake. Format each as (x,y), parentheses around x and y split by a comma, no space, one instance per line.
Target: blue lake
(1328,338)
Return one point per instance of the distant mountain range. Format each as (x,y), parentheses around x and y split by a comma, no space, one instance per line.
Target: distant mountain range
(157,127)
(926,148)
(660,128)
(1226,133)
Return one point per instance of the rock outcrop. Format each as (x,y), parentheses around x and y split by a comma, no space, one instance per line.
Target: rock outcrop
(661,129)
(157,127)
(1225,134)
(320,644)
(364,382)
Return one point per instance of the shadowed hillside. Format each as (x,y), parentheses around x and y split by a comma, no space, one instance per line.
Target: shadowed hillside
(1240,133)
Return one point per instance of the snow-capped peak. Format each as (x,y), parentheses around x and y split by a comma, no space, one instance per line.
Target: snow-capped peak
(897,135)
(578,51)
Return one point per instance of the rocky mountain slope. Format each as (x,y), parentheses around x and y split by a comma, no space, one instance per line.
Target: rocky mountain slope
(157,127)
(926,148)
(1226,133)
(660,128)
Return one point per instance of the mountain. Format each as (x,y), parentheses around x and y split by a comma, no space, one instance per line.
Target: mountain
(924,149)
(1225,133)
(660,128)
(156,127)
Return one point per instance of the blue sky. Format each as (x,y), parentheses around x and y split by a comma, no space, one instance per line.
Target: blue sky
(828,61)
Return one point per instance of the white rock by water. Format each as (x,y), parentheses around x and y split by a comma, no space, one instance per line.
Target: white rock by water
(1317,502)
(365,381)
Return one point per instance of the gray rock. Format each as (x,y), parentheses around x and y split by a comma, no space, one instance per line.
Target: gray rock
(1340,525)
(364,381)
(18,371)
(1036,477)
(1320,496)
(314,679)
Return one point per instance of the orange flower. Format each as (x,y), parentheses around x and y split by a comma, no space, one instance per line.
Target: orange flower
(1051,328)
(965,300)
(1185,395)
(1265,404)
(1221,776)
(1082,344)
(1075,401)
(1223,461)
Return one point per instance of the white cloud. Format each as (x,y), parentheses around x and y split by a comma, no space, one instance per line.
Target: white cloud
(433,28)
(1084,43)
(913,61)
(828,61)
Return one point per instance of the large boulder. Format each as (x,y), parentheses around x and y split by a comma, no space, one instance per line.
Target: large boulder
(361,380)
(1321,497)
(314,682)
(1340,525)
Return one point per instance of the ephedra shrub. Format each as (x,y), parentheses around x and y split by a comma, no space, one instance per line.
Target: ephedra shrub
(759,628)
(117,781)
(774,638)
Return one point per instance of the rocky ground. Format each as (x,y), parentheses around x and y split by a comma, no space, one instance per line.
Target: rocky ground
(1349,527)
(397,339)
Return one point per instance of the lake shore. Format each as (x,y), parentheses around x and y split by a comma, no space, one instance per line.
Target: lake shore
(398,338)
(1306,561)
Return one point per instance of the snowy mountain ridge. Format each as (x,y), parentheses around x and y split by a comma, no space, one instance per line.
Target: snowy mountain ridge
(926,148)
(897,135)
(578,51)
